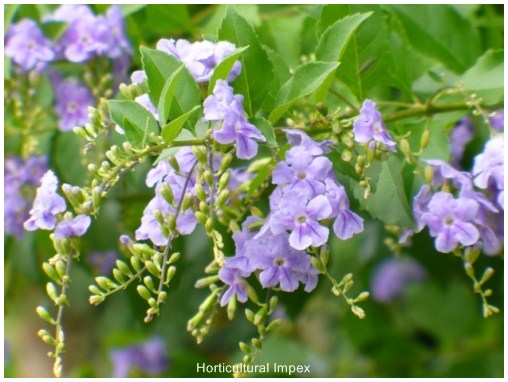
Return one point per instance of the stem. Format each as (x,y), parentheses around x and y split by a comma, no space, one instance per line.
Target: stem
(426,109)
(171,236)
(125,284)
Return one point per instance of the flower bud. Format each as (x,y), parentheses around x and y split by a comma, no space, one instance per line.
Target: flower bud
(226,161)
(425,139)
(144,292)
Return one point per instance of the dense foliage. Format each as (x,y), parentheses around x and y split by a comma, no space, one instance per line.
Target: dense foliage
(234,185)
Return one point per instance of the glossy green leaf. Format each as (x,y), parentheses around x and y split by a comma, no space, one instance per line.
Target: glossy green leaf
(221,71)
(159,68)
(167,95)
(307,78)
(137,122)
(486,77)
(255,80)
(364,61)
(334,41)
(173,128)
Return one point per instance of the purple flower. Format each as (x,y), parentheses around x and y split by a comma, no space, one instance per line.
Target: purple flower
(19,180)
(72,228)
(138,76)
(302,172)
(488,169)
(149,358)
(86,35)
(118,44)
(233,274)
(280,265)
(461,134)
(27,46)
(497,120)
(443,172)
(225,108)
(347,223)
(392,277)
(450,221)
(201,57)
(370,128)
(302,219)
(72,102)
(299,138)
(47,204)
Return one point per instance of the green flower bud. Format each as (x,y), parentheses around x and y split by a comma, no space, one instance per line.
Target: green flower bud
(143,292)
(44,314)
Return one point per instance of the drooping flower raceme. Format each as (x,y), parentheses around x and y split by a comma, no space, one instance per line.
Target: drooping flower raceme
(277,262)
(27,46)
(47,205)
(149,358)
(226,110)
(20,180)
(391,278)
(442,211)
(72,102)
(450,221)
(308,193)
(200,57)
(370,128)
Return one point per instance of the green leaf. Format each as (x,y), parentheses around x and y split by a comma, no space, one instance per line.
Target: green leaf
(486,77)
(137,122)
(363,63)
(333,43)
(173,128)
(167,95)
(255,80)
(266,129)
(221,71)
(440,32)
(389,202)
(307,78)
(54,29)
(159,67)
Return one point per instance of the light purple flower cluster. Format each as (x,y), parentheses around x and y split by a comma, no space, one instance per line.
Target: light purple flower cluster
(164,174)
(308,193)
(370,128)
(461,134)
(201,57)
(488,168)
(391,278)
(226,110)
(72,102)
(88,36)
(27,46)
(463,219)
(20,180)
(46,208)
(148,358)
(277,262)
